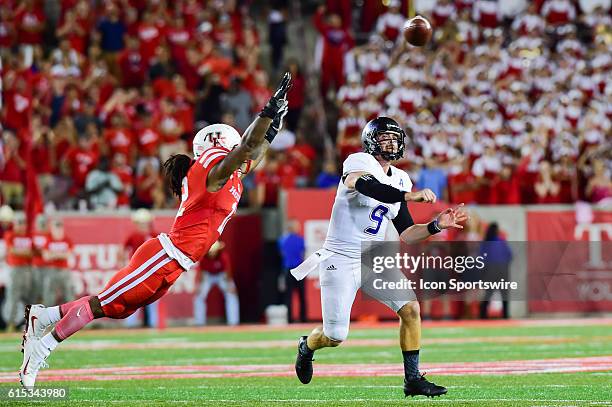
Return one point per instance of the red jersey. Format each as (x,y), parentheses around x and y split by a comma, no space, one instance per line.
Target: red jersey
(20,242)
(217,264)
(203,215)
(56,246)
(40,241)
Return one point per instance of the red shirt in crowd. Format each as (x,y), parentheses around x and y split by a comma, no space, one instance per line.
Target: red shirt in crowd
(41,158)
(81,162)
(461,188)
(57,246)
(215,265)
(20,242)
(150,37)
(26,20)
(18,109)
(133,67)
(126,176)
(39,241)
(11,172)
(283,177)
(119,141)
(297,92)
(7,34)
(148,140)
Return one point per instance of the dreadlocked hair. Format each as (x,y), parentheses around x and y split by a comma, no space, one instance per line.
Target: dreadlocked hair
(175,169)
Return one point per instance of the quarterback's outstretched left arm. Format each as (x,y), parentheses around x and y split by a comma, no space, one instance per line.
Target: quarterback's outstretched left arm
(252,139)
(414,233)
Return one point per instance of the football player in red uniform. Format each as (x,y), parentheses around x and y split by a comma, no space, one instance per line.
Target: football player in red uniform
(210,187)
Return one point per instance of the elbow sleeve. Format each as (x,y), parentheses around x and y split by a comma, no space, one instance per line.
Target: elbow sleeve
(370,186)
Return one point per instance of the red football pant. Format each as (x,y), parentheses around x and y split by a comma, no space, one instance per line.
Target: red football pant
(144,280)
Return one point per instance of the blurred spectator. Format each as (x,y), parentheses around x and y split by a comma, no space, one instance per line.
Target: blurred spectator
(170,129)
(103,186)
(499,257)
(216,270)
(112,31)
(349,132)
(79,160)
(210,105)
(57,253)
(276,174)
(30,21)
(12,167)
(277,34)
(118,138)
(462,185)
(328,177)
(434,179)
(335,42)
(296,95)
(238,102)
(389,25)
(40,238)
(18,258)
(291,247)
(132,63)
(546,189)
(124,172)
(260,91)
(149,192)
(599,186)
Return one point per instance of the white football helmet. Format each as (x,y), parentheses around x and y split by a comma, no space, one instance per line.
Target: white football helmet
(215,135)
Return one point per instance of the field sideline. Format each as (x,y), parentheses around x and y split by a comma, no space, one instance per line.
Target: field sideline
(498,363)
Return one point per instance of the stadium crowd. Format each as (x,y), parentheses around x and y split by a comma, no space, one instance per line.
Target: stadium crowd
(498,108)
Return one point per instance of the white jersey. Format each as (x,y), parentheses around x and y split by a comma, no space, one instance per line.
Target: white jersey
(356,217)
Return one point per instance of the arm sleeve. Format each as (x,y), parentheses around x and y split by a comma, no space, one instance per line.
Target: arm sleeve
(370,186)
(403,220)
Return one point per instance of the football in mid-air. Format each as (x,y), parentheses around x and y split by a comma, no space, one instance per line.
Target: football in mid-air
(417,31)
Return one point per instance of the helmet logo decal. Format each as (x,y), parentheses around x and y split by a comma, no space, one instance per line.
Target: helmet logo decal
(213,137)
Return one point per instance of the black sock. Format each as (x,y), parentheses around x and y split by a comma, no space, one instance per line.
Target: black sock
(305,350)
(411,364)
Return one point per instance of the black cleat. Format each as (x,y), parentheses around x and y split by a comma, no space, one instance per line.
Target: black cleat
(422,387)
(303,362)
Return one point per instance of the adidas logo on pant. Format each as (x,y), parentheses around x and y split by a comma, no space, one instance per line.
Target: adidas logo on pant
(332,267)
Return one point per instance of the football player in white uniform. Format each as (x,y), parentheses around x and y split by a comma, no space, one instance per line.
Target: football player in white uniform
(371,194)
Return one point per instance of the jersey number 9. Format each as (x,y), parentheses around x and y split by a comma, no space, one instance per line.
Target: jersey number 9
(377,215)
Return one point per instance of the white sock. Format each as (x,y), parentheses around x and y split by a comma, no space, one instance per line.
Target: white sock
(49,341)
(52,315)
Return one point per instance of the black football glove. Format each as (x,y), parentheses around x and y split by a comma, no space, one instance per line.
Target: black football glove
(275,104)
(277,122)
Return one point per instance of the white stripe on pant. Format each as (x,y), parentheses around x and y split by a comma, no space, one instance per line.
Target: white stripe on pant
(132,274)
(135,273)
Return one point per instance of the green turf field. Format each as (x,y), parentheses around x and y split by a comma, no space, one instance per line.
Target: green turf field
(565,365)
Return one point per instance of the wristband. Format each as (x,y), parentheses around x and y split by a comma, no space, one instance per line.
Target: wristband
(270,134)
(433,227)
